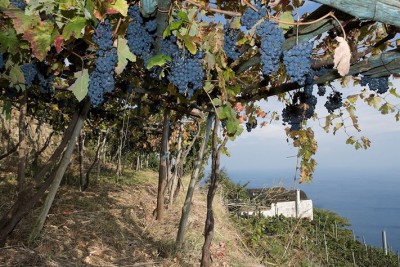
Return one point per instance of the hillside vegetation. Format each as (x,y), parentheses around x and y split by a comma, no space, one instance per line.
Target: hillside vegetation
(112,225)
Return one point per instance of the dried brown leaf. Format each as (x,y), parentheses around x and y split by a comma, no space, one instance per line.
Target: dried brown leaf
(342,57)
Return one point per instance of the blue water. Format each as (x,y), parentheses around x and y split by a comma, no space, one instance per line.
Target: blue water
(370,200)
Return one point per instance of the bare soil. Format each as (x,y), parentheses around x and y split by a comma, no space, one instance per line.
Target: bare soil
(113,225)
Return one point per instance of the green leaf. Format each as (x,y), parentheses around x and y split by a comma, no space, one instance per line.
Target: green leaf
(9,41)
(183,16)
(352,98)
(4,3)
(394,93)
(189,43)
(350,140)
(233,90)
(81,85)
(120,6)
(36,7)
(89,9)
(208,87)
(286,17)
(175,25)
(124,54)
(387,108)
(17,77)
(357,145)
(68,5)
(158,60)
(7,107)
(74,28)
(217,102)
(167,32)
(373,101)
(229,74)
(194,29)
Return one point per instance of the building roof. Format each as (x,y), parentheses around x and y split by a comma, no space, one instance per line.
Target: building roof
(275,194)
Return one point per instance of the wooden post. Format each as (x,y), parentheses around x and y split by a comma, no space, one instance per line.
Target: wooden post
(335,230)
(354,259)
(326,249)
(297,203)
(384,242)
(365,244)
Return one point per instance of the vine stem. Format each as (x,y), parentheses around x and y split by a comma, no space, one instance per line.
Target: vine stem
(212,9)
(212,103)
(118,25)
(237,14)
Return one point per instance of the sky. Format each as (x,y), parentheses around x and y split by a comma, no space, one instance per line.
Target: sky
(267,150)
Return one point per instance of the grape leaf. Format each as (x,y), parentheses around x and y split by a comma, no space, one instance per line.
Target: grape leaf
(124,54)
(157,60)
(68,4)
(189,43)
(74,28)
(17,77)
(37,33)
(342,57)
(36,7)
(387,108)
(4,3)
(9,41)
(373,101)
(117,6)
(81,85)
(286,17)
(58,43)
(352,98)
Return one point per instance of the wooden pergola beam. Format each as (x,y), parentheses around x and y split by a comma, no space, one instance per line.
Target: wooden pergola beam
(386,11)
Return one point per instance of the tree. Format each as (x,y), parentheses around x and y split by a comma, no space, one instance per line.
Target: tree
(179,59)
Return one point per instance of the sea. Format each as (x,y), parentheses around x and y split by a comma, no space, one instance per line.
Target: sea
(369,200)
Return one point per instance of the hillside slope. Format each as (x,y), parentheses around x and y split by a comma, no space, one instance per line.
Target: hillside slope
(112,225)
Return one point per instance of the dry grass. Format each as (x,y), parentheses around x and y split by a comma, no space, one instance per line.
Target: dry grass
(113,225)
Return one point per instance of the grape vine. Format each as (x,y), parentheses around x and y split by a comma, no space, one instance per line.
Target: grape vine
(302,106)
(231,36)
(140,39)
(272,40)
(379,84)
(298,62)
(21,4)
(30,71)
(1,61)
(102,78)
(187,73)
(250,17)
(334,101)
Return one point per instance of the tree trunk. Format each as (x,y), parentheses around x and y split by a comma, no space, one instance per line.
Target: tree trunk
(163,168)
(137,163)
(22,149)
(215,174)
(96,160)
(62,167)
(183,160)
(28,198)
(82,177)
(174,178)
(59,150)
(193,181)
